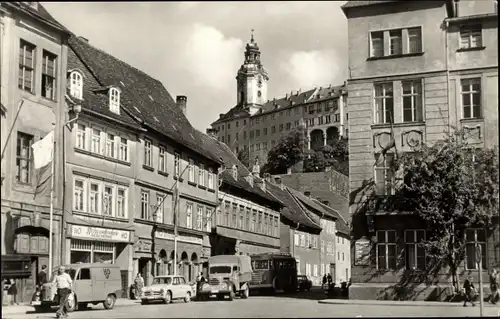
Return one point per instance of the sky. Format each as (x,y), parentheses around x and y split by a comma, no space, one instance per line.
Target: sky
(196,48)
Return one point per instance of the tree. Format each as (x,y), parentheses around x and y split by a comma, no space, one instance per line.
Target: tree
(289,150)
(335,155)
(451,187)
(243,157)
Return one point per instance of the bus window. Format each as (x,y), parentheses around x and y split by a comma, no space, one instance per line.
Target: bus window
(261,264)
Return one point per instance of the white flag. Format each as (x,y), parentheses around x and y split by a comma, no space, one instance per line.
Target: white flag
(42,150)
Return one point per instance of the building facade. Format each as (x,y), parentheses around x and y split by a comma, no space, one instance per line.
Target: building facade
(247,217)
(428,66)
(256,123)
(147,176)
(33,85)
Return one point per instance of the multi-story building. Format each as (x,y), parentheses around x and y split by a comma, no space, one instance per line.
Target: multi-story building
(299,231)
(247,219)
(425,66)
(334,256)
(132,152)
(257,123)
(33,86)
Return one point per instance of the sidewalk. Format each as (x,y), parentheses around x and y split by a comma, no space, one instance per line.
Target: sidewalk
(400,303)
(25,308)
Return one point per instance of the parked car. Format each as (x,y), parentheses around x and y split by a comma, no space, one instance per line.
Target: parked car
(303,283)
(92,283)
(166,289)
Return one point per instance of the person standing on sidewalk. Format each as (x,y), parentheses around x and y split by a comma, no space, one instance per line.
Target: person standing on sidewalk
(324,282)
(64,285)
(42,276)
(469,292)
(494,286)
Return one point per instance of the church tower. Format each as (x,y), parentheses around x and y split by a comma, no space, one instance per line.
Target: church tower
(252,79)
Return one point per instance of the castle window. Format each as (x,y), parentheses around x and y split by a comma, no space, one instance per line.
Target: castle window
(114,100)
(76,85)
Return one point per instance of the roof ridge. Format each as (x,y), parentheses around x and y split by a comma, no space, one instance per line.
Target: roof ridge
(331,208)
(116,58)
(302,207)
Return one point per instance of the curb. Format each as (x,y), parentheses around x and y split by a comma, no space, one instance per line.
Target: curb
(22,310)
(397,303)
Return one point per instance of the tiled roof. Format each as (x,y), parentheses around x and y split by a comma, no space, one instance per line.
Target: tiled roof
(292,210)
(289,101)
(363,3)
(96,101)
(41,14)
(144,97)
(229,159)
(341,223)
(312,203)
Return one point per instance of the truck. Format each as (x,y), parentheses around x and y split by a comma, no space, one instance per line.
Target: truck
(228,275)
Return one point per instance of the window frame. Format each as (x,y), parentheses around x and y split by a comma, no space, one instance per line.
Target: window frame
(23,67)
(162,159)
(200,213)
(28,159)
(415,243)
(414,96)
(372,54)
(114,100)
(125,201)
(420,37)
(49,78)
(386,244)
(76,84)
(468,32)
(145,205)
(123,149)
(384,98)
(387,162)
(148,152)
(83,195)
(484,246)
(471,81)
(189,215)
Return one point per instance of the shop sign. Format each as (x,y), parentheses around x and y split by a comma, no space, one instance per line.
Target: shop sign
(362,252)
(143,246)
(186,239)
(98,233)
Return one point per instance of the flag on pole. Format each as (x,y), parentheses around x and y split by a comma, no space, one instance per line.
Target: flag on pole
(42,151)
(43,155)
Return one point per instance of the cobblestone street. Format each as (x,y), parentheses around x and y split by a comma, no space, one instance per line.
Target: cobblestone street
(266,306)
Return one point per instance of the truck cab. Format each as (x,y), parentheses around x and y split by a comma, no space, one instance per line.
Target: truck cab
(228,275)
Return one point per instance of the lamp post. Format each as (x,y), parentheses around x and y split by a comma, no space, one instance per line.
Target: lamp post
(479,257)
(76,109)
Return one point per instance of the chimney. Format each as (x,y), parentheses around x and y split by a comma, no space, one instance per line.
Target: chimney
(286,96)
(182,103)
(330,86)
(325,202)
(221,115)
(307,193)
(83,39)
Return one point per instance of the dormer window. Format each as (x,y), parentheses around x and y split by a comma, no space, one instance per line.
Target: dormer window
(114,100)
(76,85)
(235,172)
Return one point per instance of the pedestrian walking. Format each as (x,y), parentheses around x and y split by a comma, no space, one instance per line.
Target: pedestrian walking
(494,286)
(324,282)
(469,290)
(42,276)
(64,286)
(12,292)
(139,284)
(330,280)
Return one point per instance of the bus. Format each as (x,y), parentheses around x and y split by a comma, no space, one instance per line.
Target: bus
(274,272)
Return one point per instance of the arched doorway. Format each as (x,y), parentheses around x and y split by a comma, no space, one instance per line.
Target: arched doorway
(195,267)
(185,267)
(317,139)
(332,134)
(171,263)
(162,263)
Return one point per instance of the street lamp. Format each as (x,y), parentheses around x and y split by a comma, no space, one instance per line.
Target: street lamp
(76,109)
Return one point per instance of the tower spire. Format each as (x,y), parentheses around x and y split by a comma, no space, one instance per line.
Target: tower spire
(251,38)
